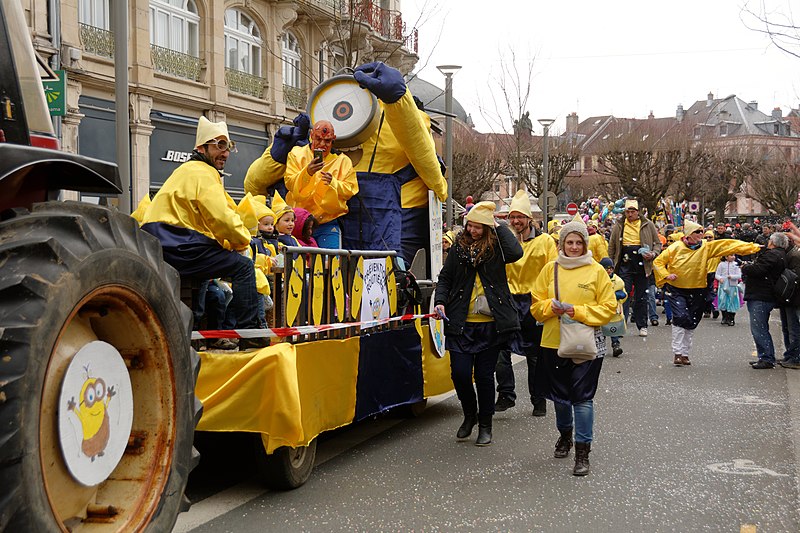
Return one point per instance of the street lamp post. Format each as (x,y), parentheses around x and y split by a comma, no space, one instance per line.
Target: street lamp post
(448,71)
(546,123)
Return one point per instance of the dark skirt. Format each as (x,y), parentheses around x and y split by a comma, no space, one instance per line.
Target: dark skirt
(476,337)
(562,381)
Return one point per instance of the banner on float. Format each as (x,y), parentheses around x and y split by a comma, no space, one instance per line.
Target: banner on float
(374,296)
(435,216)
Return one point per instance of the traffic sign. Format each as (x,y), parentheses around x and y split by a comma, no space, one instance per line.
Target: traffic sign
(694,207)
(572,208)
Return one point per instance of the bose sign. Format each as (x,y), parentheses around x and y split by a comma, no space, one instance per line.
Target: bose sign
(177,157)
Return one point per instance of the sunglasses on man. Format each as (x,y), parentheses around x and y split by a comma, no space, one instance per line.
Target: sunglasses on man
(223,145)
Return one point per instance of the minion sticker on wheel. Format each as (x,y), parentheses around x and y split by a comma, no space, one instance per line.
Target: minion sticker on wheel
(95,412)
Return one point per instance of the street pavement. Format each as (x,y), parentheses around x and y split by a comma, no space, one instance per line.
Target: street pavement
(710,447)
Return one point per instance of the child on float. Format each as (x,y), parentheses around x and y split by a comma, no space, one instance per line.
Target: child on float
(284,221)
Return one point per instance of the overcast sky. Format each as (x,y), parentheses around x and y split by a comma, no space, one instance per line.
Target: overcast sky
(620,57)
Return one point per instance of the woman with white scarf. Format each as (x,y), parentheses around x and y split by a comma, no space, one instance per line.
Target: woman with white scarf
(585,294)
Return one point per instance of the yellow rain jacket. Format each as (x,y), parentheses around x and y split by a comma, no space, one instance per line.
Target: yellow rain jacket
(618,285)
(325,202)
(598,246)
(587,287)
(193,197)
(536,253)
(691,266)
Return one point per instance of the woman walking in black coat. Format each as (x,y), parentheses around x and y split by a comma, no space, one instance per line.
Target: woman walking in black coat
(473,298)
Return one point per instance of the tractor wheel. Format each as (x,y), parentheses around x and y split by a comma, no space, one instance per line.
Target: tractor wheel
(71,275)
(286,468)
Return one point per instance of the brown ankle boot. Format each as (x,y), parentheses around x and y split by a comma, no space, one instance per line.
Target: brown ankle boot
(564,444)
(582,450)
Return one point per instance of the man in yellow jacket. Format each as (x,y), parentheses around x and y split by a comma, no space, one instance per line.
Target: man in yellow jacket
(196,221)
(682,270)
(537,250)
(321,185)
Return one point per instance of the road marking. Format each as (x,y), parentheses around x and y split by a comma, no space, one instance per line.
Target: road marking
(750,400)
(743,467)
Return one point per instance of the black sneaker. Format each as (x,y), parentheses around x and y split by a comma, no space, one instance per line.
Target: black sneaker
(668,322)
(253,344)
(616,350)
(763,365)
(503,403)
(223,344)
(653,321)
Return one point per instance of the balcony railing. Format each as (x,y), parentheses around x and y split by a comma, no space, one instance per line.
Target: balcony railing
(97,41)
(244,83)
(176,63)
(294,97)
(389,24)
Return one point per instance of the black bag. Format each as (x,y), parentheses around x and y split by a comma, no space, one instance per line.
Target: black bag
(785,286)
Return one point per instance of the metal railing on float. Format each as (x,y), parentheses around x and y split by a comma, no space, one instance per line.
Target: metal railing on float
(321,287)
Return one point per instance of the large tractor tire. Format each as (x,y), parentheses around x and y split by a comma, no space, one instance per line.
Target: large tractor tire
(286,468)
(72,274)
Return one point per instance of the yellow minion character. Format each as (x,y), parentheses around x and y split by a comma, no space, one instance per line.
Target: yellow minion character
(92,412)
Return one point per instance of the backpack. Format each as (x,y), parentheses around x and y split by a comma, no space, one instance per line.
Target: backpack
(785,286)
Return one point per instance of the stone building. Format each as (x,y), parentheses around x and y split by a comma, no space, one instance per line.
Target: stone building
(251,63)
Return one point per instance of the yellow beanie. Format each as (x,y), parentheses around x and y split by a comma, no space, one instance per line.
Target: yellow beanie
(260,207)
(690,227)
(207,130)
(279,206)
(247,213)
(521,204)
(482,213)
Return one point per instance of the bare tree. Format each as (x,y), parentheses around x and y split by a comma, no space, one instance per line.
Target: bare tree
(476,164)
(727,169)
(775,22)
(775,183)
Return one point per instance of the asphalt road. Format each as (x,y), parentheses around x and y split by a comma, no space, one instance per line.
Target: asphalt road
(711,447)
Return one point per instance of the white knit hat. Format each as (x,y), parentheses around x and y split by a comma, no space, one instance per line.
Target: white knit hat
(573,227)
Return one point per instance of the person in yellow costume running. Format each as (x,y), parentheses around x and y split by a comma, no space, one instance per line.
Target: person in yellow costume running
(682,269)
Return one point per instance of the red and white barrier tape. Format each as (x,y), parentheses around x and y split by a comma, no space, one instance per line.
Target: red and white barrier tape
(298,330)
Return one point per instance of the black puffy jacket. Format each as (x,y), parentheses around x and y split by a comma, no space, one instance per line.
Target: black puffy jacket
(760,275)
(457,278)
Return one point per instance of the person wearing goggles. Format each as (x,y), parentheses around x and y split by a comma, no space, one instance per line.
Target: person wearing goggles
(200,231)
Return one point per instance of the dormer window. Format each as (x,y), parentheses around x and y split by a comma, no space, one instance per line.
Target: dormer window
(723,129)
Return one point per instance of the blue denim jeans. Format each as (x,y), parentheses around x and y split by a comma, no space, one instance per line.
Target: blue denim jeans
(651,302)
(790,325)
(584,419)
(759,327)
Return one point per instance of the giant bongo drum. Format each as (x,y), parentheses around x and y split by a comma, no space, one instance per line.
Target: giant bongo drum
(353,111)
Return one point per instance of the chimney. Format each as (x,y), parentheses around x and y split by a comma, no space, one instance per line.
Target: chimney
(651,115)
(572,122)
(680,113)
(753,105)
(710,100)
(777,114)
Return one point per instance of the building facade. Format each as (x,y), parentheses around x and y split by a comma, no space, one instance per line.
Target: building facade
(251,63)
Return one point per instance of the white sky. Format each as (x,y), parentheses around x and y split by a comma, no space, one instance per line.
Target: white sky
(594,57)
